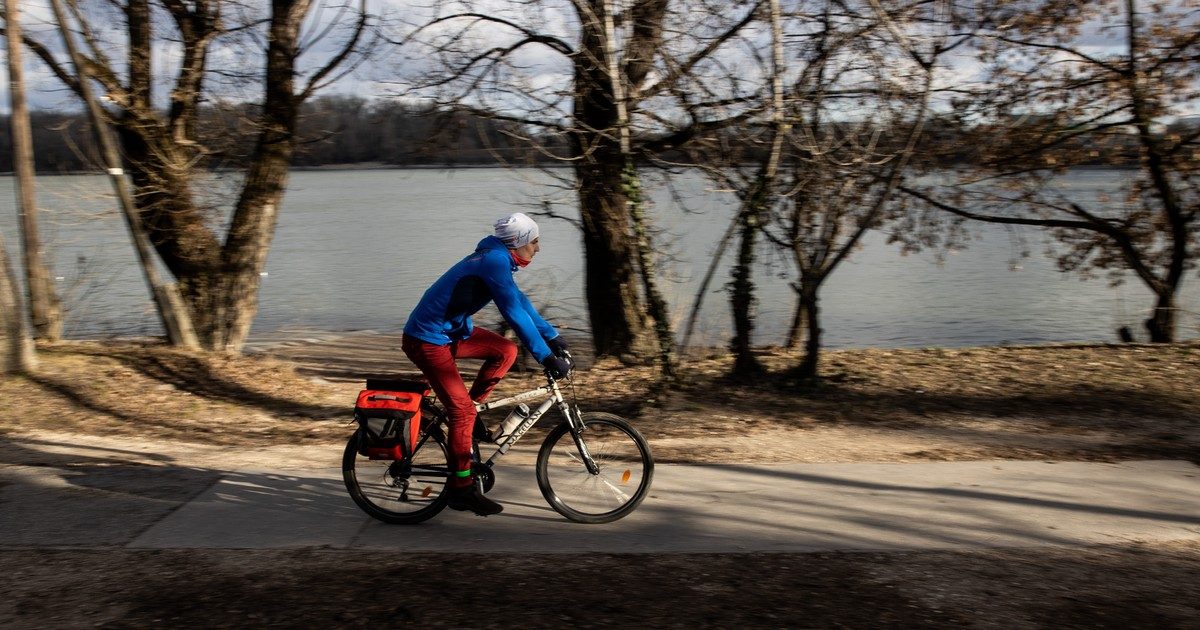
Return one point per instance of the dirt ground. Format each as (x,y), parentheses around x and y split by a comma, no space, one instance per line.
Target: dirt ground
(1104,587)
(143,402)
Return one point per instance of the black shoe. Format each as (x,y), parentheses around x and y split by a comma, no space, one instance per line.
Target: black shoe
(471,499)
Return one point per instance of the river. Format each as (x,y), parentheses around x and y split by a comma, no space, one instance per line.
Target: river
(355,249)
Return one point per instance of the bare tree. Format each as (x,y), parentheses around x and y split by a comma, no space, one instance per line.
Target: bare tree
(656,305)
(217,261)
(846,174)
(754,207)
(45,310)
(1052,99)
(840,139)
(619,67)
(172,313)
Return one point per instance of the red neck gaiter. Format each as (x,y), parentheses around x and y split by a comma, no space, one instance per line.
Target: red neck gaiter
(521,262)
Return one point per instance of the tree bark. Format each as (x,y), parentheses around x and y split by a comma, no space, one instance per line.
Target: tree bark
(659,312)
(610,280)
(812,346)
(1161,324)
(631,183)
(245,252)
(618,321)
(745,364)
(17,354)
(796,330)
(45,310)
(220,281)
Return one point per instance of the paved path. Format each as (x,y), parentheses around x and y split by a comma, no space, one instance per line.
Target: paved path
(727,508)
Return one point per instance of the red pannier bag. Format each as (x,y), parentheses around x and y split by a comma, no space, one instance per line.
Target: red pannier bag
(388,412)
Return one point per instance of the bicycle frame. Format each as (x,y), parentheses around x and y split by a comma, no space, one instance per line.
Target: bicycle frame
(553,395)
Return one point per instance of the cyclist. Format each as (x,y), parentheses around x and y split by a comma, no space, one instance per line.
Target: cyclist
(440,330)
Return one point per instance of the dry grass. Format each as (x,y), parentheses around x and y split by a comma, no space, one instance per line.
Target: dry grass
(1064,402)
(157,392)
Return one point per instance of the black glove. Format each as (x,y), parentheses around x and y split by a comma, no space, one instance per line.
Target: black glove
(557,368)
(558,347)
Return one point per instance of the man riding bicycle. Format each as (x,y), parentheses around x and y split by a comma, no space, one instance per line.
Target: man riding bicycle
(440,330)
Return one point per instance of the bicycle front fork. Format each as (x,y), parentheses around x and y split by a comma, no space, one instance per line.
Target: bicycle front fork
(575,418)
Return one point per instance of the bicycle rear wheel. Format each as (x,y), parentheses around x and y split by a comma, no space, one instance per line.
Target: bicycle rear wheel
(625,469)
(400,491)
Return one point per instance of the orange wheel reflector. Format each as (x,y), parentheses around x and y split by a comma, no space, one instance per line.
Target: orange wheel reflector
(426,492)
(625,477)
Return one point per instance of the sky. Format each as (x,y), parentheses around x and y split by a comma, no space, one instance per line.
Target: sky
(383,76)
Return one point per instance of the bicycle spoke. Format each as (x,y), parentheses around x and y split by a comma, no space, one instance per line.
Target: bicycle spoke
(621,461)
(621,496)
(398,491)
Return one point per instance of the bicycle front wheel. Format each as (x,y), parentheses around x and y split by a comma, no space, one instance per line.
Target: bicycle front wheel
(622,477)
(399,491)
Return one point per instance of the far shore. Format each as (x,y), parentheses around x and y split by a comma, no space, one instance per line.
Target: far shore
(357,166)
(383,166)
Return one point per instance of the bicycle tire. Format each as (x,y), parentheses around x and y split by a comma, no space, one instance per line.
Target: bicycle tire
(372,483)
(617,448)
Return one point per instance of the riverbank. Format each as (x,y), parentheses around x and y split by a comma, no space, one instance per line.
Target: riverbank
(1080,402)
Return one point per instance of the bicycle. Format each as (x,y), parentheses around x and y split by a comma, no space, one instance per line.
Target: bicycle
(591,468)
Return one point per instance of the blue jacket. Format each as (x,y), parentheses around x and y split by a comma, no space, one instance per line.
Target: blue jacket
(444,313)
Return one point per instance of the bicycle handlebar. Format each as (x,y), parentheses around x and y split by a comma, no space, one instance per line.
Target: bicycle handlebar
(566,356)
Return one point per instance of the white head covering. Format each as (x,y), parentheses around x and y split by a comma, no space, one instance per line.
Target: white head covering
(516,230)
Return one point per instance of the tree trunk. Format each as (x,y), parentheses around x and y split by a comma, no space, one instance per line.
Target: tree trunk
(610,280)
(631,184)
(812,346)
(659,312)
(618,322)
(45,310)
(218,281)
(17,354)
(245,252)
(796,330)
(218,273)
(1161,324)
(745,364)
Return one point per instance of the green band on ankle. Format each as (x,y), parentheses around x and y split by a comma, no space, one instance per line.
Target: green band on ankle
(463,473)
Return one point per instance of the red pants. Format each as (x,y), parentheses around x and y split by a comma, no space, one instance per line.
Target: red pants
(437,363)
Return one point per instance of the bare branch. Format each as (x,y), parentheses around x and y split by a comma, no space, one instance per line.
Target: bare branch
(48,58)
(1060,48)
(682,69)
(553,43)
(314,82)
